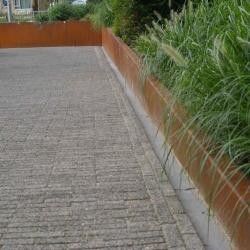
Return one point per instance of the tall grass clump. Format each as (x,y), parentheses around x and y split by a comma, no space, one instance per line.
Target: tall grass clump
(203,56)
(102,14)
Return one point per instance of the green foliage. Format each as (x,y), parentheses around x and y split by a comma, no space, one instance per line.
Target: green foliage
(125,24)
(103,14)
(203,56)
(132,16)
(93,1)
(79,11)
(3,18)
(61,12)
(42,17)
(64,11)
(128,18)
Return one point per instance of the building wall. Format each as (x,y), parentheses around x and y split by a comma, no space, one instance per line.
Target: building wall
(3,9)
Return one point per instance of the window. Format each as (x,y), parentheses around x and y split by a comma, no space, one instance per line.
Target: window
(22,4)
(5,3)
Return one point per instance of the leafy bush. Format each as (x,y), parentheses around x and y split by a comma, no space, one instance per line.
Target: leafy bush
(61,12)
(131,17)
(103,14)
(93,1)
(42,17)
(128,18)
(3,18)
(64,11)
(79,11)
(203,56)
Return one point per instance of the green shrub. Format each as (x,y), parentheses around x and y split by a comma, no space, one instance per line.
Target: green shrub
(103,15)
(131,17)
(203,56)
(65,11)
(93,1)
(79,11)
(61,12)
(42,17)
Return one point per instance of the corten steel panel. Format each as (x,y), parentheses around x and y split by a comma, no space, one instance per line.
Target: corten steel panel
(71,33)
(231,204)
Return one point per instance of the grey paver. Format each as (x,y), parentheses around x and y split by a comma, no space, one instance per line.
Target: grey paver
(76,168)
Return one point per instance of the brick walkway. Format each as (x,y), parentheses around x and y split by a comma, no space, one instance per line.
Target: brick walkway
(76,168)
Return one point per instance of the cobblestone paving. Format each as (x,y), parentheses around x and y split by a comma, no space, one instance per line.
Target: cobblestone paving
(76,168)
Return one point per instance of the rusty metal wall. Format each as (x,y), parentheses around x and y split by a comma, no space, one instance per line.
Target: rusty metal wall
(72,33)
(231,205)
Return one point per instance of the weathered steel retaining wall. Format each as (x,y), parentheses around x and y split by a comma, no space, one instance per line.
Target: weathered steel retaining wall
(72,33)
(231,204)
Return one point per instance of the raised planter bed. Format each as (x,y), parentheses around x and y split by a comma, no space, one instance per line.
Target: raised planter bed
(71,33)
(231,203)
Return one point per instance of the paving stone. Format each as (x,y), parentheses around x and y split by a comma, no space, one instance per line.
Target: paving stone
(184,224)
(172,236)
(191,242)
(174,205)
(77,170)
